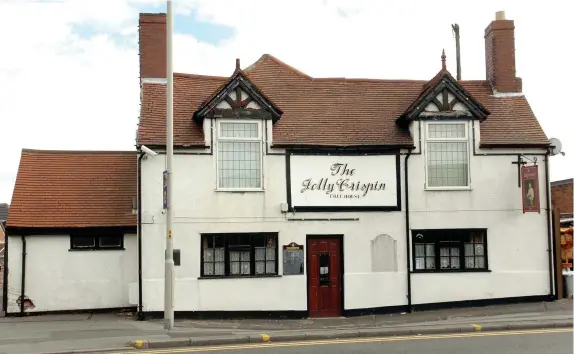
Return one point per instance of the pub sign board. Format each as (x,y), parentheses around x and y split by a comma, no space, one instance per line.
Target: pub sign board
(530,189)
(293,259)
(343,182)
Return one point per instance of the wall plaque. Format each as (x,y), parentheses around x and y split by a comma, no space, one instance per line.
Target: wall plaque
(293,259)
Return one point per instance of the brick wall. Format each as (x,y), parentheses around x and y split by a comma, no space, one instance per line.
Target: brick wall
(562,195)
(500,56)
(152,45)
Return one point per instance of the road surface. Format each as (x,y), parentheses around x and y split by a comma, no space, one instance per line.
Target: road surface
(553,341)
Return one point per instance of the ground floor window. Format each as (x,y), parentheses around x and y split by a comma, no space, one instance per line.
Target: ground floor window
(450,250)
(238,254)
(97,242)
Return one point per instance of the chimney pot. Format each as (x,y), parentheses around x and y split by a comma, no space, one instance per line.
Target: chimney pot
(500,16)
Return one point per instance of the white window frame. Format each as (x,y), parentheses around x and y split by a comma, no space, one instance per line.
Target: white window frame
(219,138)
(427,139)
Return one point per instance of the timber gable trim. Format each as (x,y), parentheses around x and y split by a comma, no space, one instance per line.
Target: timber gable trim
(222,105)
(437,93)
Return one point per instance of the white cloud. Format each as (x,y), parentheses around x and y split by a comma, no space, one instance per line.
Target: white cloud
(62,91)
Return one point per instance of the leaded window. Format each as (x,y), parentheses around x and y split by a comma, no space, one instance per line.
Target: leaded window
(447,155)
(239,254)
(450,249)
(239,155)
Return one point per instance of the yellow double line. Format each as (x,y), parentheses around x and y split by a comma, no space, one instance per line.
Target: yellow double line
(346,341)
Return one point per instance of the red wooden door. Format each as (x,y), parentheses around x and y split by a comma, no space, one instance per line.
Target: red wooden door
(324,276)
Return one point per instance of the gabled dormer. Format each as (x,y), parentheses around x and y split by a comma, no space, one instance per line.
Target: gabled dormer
(238,111)
(443,112)
(238,98)
(444,97)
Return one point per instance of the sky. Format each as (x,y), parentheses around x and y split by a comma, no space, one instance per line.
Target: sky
(69,74)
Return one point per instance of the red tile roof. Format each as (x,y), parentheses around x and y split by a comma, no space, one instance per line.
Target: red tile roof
(329,111)
(74,189)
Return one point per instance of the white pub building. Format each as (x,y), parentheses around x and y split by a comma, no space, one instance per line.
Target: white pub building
(316,197)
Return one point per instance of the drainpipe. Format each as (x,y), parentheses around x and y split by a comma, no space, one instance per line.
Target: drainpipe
(23,284)
(139,232)
(408,233)
(553,275)
(5,269)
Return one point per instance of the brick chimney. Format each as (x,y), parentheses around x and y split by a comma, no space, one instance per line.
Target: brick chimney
(152,45)
(499,53)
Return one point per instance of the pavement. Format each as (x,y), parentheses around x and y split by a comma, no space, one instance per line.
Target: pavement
(100,332)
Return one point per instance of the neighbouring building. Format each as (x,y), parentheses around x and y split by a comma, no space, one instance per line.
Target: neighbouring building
(301,196)
(562,198)
(72,229)
(4,208)
(2,236)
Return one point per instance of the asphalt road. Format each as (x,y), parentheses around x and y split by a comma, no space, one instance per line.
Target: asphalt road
(556,341)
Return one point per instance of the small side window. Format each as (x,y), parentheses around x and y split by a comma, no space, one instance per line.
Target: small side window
(97,242)
(110,241)
(83,242)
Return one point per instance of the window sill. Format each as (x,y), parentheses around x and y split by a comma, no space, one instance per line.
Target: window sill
(448,189)
(239,190)
(96,249)
(438,271)
(239,276)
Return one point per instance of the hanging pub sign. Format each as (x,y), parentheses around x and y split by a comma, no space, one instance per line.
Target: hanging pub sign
(293,259)
(530,189)
(165,189)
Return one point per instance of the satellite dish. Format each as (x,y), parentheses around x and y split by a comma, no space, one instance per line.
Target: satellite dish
(555,147)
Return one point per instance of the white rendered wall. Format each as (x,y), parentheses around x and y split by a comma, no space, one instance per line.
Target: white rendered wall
(200,209)
(517,242)
(59,279)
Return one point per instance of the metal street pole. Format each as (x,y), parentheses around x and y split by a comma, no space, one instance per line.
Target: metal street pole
(169,265)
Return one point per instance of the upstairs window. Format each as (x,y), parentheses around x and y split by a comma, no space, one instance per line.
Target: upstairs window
(449,250)
(447,155)
(239,156)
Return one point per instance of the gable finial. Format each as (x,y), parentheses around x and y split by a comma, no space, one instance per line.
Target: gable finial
(237,65)
(443,59)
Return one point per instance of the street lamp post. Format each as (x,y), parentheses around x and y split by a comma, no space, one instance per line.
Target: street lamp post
(169,265)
